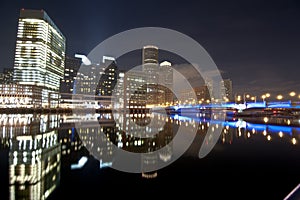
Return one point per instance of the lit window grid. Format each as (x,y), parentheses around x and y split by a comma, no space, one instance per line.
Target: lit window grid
(47,57)
(19,96)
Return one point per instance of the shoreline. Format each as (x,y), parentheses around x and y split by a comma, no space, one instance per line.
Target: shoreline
(63,110)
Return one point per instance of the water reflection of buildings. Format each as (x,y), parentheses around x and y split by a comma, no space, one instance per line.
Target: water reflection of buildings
(129,132)
(34,155)
(147,133)
(96,133)
(34,144)
(138,133)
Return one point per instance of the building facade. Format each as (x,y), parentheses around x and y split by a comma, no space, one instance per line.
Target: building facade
(130,91)
(72,66)
(20,96)
(109,76)
(166,82)
(39,53)
(150,68)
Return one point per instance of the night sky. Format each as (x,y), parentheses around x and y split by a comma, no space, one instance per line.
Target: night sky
(254,43)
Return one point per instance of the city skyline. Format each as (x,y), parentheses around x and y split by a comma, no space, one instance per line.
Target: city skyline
(149,95)
(257,37)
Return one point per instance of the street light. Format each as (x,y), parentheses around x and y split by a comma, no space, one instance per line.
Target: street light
(292,94)
(279,97)
(267,95)
(253,99)
(246,96)
(239,98)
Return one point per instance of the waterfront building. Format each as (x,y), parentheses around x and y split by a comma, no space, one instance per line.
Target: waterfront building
(40,53)
(130,92)
(20,96)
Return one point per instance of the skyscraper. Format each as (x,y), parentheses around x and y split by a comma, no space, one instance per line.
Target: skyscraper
(151,70)
(40,52)
(150,54)
(166,80)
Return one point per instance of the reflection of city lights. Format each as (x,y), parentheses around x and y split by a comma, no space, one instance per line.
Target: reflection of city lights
(149,175)
(120,144)
(269,137)
(248,134)
(253,130)
(80,163)
(265,133)
(280,134)
(294,141)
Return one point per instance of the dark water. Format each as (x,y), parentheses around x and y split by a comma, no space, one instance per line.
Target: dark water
(77,157)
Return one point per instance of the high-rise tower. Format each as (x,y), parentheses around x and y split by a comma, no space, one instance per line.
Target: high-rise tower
(151,70)
(40,52)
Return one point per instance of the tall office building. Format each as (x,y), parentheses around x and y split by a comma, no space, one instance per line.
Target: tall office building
(150,63)
(151,70)
(166,81)
(72,66)
(150,54)
(159,77)
(40,53)
(109,76)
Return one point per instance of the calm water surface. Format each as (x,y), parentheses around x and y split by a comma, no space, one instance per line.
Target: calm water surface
(73,157)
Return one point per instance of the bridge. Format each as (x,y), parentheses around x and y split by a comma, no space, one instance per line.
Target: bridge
(237,106)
